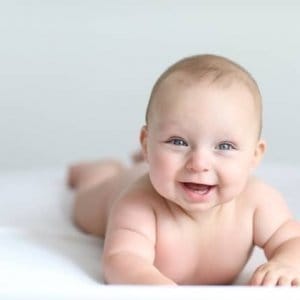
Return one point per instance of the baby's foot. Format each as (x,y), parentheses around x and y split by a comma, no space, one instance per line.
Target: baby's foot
(87,174)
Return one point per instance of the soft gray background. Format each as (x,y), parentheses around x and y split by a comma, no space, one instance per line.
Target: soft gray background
(75,76)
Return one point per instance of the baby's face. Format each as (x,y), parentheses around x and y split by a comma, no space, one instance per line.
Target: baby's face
(201,143)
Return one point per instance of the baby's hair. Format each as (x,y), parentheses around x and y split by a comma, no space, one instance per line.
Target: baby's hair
(216,69)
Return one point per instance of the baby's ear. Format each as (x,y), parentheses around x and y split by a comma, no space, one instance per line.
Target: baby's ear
(259,152)
(143,141)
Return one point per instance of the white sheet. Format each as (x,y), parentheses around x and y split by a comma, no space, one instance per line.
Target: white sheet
(42,255)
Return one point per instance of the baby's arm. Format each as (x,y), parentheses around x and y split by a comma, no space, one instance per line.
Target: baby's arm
(279,235)
(129,249)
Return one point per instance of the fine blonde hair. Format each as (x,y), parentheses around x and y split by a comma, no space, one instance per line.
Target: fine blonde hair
(216,69)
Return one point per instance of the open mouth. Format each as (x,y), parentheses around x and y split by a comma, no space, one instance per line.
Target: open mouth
(197,192)
(198,188)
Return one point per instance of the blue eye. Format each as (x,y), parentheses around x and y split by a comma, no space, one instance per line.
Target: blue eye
(226,146)
(177,142)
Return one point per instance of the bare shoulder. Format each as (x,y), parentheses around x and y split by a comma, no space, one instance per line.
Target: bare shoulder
(261,194)
(134,209)
(268,203)
(139,193)
(135,197)
(270,210)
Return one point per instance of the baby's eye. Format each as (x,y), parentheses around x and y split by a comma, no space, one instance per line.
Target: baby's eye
(177,142)
(226,146)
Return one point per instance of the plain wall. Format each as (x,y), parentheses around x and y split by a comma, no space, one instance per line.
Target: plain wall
(75,76)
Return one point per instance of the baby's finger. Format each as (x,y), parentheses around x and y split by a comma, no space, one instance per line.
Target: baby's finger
(284,281)
(257,277)
(296,282)
(270,279)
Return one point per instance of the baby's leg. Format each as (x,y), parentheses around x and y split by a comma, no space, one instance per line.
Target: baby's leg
(92,182)
(84,175)
(97,185)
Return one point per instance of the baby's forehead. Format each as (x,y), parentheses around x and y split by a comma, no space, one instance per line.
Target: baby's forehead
(169,88)
(180,81)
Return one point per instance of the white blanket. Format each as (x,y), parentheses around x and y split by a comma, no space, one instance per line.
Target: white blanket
(43,256)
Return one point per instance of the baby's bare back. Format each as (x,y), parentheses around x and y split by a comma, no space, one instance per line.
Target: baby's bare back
(210,250)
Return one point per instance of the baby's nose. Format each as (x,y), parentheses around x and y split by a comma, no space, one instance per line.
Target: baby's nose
(199,161)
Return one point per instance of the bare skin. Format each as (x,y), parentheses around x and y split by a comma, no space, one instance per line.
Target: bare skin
(98,184)
(176,247)
(192,212)
(182,251)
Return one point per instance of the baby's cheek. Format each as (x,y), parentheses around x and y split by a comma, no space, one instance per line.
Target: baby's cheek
(162,173)
(162,162)
(235,175)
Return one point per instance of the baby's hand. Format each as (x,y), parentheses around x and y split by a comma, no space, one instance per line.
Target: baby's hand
(274,273)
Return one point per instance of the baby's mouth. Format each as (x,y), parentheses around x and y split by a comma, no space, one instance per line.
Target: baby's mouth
(197,187)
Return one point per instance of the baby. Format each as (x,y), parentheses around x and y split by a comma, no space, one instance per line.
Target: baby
(191,211)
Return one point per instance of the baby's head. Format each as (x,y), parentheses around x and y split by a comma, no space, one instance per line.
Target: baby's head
(208,70)
(202,132)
